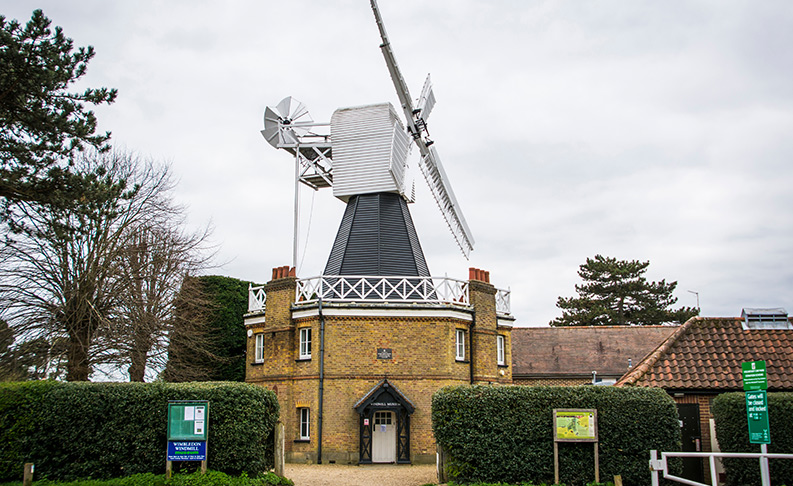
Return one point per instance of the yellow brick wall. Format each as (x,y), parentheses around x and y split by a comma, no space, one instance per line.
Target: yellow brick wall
(421,347)
(506,377)
(552,381)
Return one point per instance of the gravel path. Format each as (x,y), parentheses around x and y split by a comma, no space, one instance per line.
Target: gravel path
(375,475)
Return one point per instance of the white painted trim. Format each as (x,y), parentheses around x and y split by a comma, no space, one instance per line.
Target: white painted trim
(305,340)
(249,321)
(505,322)
(459,344)
(258,351)
(372,312)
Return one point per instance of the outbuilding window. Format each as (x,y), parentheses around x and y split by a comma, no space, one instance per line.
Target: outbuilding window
(305,343)
(459,345)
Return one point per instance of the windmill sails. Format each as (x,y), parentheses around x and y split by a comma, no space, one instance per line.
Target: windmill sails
(417,127)
(439,185)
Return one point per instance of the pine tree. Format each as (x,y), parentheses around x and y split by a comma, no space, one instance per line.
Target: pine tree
(615,292)
(42,124)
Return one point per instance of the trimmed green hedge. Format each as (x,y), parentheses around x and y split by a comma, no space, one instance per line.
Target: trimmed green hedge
(106,430)
(729,410)
(504,434)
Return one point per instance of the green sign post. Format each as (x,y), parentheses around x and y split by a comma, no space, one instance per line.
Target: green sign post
(755,384)
(757,416)
(575,425)
(754,376)
(187,433)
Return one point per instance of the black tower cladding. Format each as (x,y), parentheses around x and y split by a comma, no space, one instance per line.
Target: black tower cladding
(377,238)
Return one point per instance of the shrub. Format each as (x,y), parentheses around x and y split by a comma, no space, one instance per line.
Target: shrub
(504,434)
(729,410)
(19,408)
(211,478)
(107,430)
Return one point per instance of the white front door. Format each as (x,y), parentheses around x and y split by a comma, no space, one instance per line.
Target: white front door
(384,437)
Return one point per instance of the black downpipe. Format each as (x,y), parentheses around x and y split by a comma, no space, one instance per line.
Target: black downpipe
(321,379)
(471,345)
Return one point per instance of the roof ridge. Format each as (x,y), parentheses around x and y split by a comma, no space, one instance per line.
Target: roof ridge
(631,377)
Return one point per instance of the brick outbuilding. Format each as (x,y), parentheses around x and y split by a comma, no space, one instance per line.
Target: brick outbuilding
(702,359)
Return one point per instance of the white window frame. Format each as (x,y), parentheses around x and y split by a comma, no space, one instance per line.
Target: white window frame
(459,345)
(259,348)
(304,419)
(501,358)
(305,343)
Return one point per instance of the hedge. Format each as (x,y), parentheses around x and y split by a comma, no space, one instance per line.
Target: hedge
(729,410)
(106,430)
(504,434)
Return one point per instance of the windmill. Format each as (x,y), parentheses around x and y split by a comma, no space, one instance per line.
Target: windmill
(364,159)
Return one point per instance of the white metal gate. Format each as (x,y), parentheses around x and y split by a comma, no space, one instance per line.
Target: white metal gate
(660,465)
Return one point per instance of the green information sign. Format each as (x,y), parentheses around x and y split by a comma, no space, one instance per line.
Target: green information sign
(754,376)
(575,425)
(757,416)
(188,420)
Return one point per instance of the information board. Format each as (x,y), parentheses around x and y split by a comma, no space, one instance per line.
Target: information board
(754,375)
(184,450)
(575,425)
(757,417)
(188,420)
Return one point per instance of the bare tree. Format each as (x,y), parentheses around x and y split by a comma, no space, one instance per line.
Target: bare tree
(155,261)
(70,274)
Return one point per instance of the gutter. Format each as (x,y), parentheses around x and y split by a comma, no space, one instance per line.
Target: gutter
(321,380)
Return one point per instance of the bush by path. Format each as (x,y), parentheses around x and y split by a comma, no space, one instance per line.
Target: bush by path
(505,433)
(109,430)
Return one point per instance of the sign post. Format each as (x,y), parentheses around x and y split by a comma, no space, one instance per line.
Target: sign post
(574,425)
(187,433)
(755,384)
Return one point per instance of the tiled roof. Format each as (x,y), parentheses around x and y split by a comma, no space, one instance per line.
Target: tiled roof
(577,351)
(706,354)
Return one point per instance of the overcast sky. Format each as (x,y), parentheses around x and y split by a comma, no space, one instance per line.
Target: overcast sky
(646,130)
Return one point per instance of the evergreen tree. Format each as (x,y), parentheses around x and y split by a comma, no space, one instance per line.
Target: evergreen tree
(42,124)
(615,292)
(208,341)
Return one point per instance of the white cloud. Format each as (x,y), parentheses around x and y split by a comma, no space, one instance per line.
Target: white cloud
(645,130)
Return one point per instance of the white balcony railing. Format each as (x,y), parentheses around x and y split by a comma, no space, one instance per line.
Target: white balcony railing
(503,305)
(257,298)
(351,288)
(355,288)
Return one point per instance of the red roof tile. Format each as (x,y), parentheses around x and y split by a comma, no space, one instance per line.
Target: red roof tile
(706,354)
(577,351)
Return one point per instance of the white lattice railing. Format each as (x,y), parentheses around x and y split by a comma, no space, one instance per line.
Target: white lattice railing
(347,288)
(503,305)
(350,288)
(257,298)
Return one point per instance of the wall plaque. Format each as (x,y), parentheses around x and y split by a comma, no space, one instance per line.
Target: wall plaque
(384,353)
